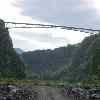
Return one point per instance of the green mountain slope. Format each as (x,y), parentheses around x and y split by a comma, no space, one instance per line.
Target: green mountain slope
(10,64)
(49,64)
(83,56)
(73,63)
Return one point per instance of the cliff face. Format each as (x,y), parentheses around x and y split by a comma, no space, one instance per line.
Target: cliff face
(10,64)
(5,40)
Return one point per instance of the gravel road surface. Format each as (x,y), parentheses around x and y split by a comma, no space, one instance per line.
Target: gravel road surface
(50,93)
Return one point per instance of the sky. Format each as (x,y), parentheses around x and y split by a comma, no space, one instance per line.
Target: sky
(77,13)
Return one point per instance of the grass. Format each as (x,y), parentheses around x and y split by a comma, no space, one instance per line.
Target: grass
(58,83)
(34,82)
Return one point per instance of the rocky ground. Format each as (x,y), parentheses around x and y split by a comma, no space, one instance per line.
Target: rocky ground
(14,92)
(31,92)
(50,93)
(24,92)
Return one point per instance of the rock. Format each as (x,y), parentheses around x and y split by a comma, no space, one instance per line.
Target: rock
(21,93)
(5,40)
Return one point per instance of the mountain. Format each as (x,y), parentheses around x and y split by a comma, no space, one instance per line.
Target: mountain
(10,64)
(19,51)
(42,61)
(94,62)
(82,60)
(73,63)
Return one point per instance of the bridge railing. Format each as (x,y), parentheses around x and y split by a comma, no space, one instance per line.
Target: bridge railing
(11,25)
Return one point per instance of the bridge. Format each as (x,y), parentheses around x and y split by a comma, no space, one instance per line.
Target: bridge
(11,25)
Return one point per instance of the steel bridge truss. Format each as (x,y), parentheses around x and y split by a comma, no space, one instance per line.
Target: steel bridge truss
(11,25)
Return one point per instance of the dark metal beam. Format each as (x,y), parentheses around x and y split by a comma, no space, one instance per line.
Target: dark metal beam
(31,25)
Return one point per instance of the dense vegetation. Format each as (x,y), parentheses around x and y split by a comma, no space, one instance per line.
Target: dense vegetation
(72,63)
(94,63)
(46,63)
(10,64)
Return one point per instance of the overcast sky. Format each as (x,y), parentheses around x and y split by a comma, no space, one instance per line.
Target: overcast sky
(78,13)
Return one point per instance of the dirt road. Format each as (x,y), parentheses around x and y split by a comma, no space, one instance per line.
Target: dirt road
(49,93)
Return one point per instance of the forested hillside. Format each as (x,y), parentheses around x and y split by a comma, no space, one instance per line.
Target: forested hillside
(10,64)
(73,63)
(48,61)
(84,58)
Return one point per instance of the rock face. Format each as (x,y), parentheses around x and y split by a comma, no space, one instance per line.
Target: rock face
(16,92)
(10,64)
(5,40)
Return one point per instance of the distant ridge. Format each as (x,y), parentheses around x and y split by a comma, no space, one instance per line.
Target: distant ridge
(72,63)
(19,51)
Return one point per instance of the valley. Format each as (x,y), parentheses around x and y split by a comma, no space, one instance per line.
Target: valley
(65,73)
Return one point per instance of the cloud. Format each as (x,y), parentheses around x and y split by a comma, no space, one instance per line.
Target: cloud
(63,12)
(78,13)
(37,40)
(44,39)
